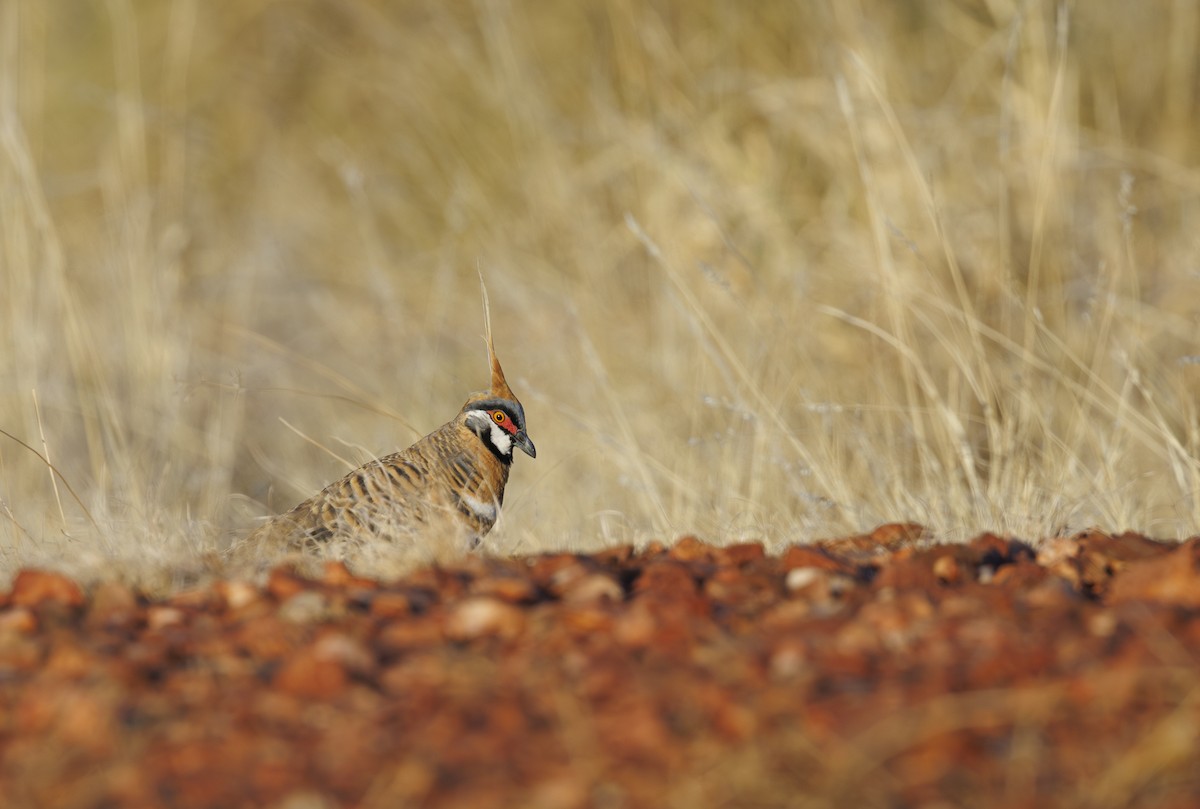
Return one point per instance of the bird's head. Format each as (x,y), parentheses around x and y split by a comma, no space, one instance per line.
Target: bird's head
(500,424)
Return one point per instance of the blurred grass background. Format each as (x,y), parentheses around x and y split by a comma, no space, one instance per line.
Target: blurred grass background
(767,270)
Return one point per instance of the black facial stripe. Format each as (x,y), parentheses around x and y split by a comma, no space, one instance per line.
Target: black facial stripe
(480,423)
(511,409)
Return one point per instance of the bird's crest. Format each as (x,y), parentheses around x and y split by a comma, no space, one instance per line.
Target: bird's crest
(500,389)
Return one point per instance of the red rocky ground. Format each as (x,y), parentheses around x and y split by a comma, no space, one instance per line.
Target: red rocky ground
(874,671)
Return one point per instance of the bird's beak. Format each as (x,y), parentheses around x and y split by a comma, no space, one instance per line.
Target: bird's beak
(521,439)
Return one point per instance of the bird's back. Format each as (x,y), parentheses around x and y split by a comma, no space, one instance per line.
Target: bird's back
(445,489)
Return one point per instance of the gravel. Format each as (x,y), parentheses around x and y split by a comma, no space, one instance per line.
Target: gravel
(879,670)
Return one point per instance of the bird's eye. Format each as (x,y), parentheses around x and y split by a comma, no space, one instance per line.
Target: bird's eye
(498,416)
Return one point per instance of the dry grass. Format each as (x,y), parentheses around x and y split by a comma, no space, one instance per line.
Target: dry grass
(769,270)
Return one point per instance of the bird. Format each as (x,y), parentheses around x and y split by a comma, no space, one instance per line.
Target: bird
(440,496)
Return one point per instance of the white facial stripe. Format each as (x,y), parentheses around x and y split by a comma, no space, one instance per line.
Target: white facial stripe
(501,440)
(498,436)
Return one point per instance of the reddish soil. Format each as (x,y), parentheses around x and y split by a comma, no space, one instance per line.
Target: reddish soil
(880,670)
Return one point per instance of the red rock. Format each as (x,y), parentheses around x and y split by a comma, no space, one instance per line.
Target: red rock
(896,535)
(587,618)
(1058,556)
(728,718)
(128,784)
(597,679)
(17,620)
(1021,575)
(799,578)
(350,653)
(593,587)
(408,783)
(691,549)
(565,576)
(112,604)
(1100,556)
(890,624)
(479,617)
(635,627)
(741,553)
(507,586)
(990,544)
(554,572)
(211,698)
(728,585)
(1123,547)
(665,578)
(345,750)
(859,548)
(237,595)
(652,549)
(787,660)
(802,556)
(1102,624)
(390,604)
(820,587)
(947,569)
(634,731)
(309,607)
(68,661)
(565,791)
(1053,550)
(336,574)
(195,599)
(787,615)
(283,583)
(741,591)
(851,657)
(907,569)
(158,618)
(409,634)
(36,713)
(443,584)
(308,675)
(265,637)
(87,720)
(32,588)
(1052,593)
(337,577)
(1170,578)
(147,657)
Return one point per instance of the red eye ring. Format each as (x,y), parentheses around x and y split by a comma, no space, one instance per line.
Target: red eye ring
(498,416)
